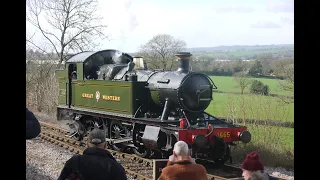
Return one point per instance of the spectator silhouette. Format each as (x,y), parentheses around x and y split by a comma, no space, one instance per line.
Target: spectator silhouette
(32,125)
(253,169)
(96,162)
(181,166)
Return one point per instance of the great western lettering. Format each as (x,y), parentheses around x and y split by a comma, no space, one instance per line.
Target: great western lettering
(111,98)
(85,95)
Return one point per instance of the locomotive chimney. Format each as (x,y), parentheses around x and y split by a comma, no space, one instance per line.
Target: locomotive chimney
(183,61)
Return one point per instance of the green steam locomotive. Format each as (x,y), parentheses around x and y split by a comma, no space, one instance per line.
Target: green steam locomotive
(141,109)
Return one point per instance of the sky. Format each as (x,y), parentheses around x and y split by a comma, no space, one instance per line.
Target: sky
(200,23)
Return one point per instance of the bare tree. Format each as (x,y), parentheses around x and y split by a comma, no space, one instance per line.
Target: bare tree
(160,51)
(40,80)
(266,61)
(73,25)
(285,68)
(242,80)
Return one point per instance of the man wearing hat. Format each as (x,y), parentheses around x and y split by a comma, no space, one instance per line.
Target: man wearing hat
(95,163)
(253,168)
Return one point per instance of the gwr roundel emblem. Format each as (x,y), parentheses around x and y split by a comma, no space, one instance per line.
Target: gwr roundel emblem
(97,95)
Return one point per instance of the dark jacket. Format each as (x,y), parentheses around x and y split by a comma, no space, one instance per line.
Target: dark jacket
(183,170)
(95,164)
(32,125)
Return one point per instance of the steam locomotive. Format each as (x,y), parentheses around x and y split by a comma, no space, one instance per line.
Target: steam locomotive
(141,109)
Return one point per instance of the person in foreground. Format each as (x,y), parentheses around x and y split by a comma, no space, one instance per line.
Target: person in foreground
(181,166)
(96,162)
(32,125)
(253,169)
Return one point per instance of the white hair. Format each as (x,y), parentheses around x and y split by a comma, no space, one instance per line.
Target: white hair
(181,148)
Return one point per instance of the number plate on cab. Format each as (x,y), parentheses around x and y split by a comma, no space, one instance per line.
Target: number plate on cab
(224,134)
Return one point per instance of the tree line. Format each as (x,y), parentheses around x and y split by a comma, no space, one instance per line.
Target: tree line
(72,26)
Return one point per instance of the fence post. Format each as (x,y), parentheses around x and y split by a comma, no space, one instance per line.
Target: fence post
(158,165)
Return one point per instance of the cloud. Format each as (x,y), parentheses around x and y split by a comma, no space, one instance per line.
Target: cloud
(275,6)
(233,8)
(121,21)
(133,23)
(286,20)
(265,25)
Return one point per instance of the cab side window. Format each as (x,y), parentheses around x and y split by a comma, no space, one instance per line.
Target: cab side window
(73,71)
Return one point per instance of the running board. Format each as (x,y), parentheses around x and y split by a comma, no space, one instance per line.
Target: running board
(117,141)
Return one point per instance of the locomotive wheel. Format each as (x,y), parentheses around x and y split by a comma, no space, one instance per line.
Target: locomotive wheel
(117,131)
(79,130)
(97,123)
(141,152)
(221,161)
(139,149)
(220,151)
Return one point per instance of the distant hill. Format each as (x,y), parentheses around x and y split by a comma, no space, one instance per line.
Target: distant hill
(240,47)
(244,52)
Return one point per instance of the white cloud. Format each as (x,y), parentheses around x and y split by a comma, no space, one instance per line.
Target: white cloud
(233,8)
(265,24)
(287,20)
(118,17)
(276,6)
(132,23)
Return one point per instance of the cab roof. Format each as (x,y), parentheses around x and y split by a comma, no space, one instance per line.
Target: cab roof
(84,56)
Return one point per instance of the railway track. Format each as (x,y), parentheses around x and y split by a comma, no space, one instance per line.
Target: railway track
(137,167)
(224,172)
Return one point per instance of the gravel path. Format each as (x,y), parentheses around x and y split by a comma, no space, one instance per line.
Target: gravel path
(44,161)
(279,172)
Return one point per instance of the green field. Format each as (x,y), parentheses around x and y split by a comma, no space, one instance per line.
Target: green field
(252,106)
(290,137)
(275,145)
(271,140)
(227,84)
(280,136)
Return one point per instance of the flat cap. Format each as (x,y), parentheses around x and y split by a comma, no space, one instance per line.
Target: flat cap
(96,136)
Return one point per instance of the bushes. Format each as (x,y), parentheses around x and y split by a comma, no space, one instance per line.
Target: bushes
(41,88)
(257,87)
(270,156)
(274,143)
